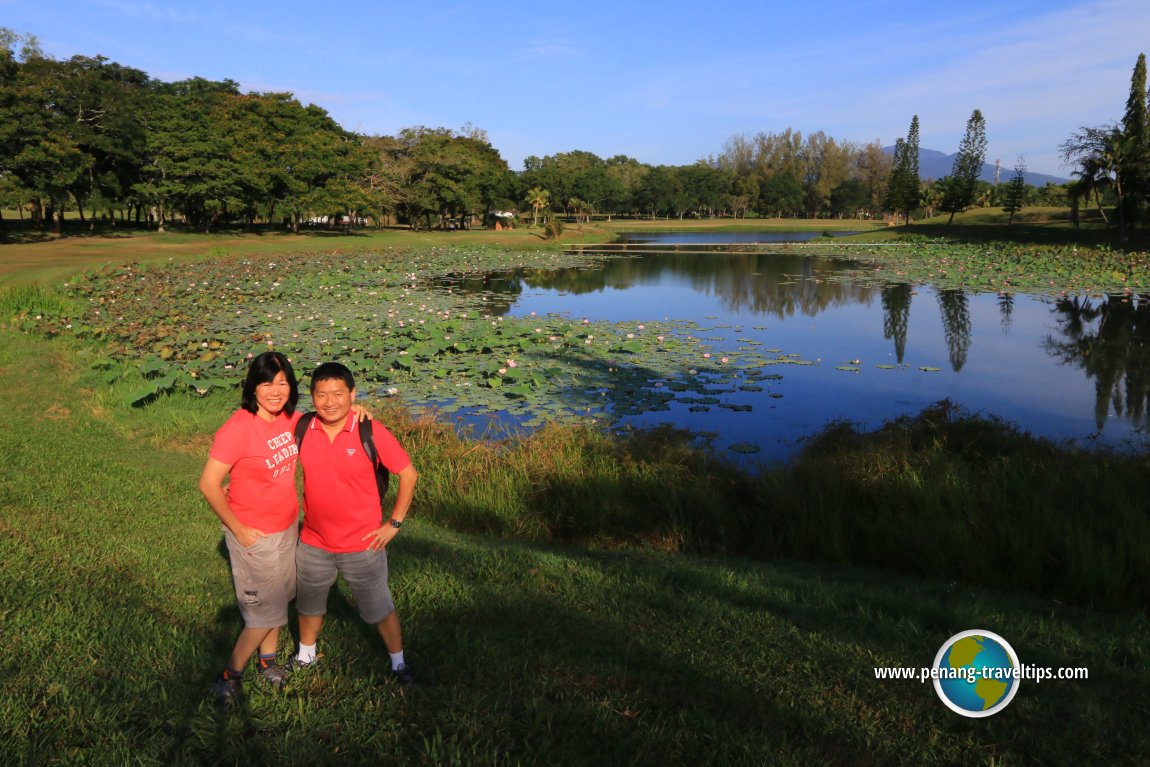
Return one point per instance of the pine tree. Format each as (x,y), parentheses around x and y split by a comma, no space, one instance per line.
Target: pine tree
(903,187)
(960,185)
(1016,191)
(1135,150)
(912,190)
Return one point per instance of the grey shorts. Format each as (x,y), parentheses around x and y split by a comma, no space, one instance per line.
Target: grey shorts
(364,571)
(264,577)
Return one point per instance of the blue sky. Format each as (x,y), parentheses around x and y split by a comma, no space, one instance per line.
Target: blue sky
(666,83)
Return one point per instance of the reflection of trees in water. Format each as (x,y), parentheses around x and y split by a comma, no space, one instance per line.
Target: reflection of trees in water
(955,310)
(1110,341)
(1006,310)
(896,316)
(500,289)
(760,283)
(954,307)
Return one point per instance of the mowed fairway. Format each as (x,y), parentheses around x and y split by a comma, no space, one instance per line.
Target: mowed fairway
(117,610)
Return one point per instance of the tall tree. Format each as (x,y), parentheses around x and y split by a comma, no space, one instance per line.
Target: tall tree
(1136,146)
(903,188)
(1016,190)
(960,186)
(874,170)
(538,199)
(1098,154)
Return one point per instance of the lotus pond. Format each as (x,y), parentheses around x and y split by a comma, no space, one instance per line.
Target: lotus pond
(752,350)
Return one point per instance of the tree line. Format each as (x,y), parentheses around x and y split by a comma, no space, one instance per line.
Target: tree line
(107,142)
(101,139)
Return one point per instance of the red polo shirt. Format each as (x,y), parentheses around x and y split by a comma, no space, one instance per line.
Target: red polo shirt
(262,455)
(340,497)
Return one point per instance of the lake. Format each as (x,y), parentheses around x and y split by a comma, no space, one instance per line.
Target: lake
(1058,367)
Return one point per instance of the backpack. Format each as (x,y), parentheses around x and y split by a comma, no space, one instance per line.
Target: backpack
(382,475)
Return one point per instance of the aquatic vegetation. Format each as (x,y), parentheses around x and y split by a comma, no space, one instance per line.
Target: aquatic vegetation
(1004,267)
(400,326)
(432,327)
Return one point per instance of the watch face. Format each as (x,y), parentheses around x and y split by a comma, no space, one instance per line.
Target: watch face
(395,523)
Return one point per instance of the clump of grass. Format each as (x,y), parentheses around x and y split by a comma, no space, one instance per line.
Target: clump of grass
(944,494)
(18,301)
(966,497)
(571,482)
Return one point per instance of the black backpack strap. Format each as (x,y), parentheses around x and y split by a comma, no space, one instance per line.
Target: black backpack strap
(382,475)
(301,428)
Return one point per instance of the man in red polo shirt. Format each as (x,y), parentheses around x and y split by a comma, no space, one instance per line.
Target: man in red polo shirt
(343,529)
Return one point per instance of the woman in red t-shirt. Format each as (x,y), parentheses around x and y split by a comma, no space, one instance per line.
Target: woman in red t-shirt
(259,510)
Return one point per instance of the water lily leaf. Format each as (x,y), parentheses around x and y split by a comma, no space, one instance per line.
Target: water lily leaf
(929,369)
(141,395)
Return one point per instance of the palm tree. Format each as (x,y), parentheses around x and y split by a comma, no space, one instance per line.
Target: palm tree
(538,199)
(1100,154)
(929,199)
(1091,178)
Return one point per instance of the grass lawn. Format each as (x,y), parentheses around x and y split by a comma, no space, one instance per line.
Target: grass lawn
(117,610)
(54,259)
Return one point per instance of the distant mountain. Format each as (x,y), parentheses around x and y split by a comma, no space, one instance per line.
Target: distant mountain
(933,164)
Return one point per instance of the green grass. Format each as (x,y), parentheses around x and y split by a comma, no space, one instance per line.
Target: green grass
(52,260)
(117,611)
(562,596)
(1032,226)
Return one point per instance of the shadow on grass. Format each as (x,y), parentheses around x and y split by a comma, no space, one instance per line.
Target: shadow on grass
(627,659)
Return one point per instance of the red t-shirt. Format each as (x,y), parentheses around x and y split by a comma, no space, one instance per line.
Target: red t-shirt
(262,457)
(340,497)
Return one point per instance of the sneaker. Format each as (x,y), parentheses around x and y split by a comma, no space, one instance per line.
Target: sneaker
(275,674)
(403,675)
(295,664)
(228,692)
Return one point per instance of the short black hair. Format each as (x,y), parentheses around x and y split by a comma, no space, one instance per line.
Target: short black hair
(329,371)
(264,369)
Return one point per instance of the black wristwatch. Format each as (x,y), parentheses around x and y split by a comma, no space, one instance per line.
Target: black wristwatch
(395,523)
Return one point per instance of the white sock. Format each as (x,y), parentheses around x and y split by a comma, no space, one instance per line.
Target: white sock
(396,659)
(306,653)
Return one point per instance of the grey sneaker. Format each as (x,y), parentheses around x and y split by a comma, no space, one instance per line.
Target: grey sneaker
(228,692)
(275,674)
(403,675)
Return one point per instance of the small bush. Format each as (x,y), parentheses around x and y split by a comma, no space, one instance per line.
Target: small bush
(552,229)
